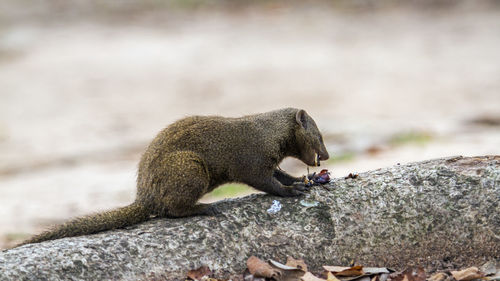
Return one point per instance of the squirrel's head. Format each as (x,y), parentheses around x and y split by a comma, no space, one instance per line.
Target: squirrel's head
(309,140)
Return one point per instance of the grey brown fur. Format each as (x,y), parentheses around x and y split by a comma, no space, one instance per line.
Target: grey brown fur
(193,156)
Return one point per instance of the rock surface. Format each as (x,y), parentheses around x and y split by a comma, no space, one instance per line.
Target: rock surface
(435,213)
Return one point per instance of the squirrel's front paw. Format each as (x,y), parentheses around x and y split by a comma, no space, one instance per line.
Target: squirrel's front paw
(301,186)
(296,189)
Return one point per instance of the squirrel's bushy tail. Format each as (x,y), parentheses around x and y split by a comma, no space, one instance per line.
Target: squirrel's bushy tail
(117,218)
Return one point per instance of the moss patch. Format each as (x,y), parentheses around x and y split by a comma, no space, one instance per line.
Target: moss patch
(230,190)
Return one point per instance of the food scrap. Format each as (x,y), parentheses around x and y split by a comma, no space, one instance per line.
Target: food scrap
(351,176)
(322,177)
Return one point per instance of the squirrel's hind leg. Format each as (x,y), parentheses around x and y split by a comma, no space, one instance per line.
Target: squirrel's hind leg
(188,181)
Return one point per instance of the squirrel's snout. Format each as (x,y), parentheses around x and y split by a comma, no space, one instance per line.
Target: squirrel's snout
(323,156)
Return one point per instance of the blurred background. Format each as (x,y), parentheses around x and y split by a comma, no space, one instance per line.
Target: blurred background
(86,84)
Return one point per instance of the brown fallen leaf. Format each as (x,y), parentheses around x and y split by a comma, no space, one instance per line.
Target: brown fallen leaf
(410,274)
(439,276)
(247,276)
(331,277)
(343,271)
(260,268)
(290,261)
(467,274)
(310,277)
(333,269)
(197,274)
(372,273)
(287,273)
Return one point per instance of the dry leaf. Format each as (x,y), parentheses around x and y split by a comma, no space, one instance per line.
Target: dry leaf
(290,261)
(440,276)
(356,270)
(310,277)
(353,273)
(197,274)
(376,270)
(260,268)
(470,273)
(490,268)
(287,273)
(334,268)
(410,274)
(247,276)
(282,266)
(331,277)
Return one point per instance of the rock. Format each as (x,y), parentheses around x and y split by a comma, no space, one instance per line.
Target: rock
(436,213)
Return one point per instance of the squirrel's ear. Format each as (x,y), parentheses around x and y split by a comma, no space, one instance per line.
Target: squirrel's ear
(300,117)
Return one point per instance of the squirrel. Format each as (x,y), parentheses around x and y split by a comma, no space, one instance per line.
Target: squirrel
(194,155)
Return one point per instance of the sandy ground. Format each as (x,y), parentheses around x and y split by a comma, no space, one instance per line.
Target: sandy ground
(79,100)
